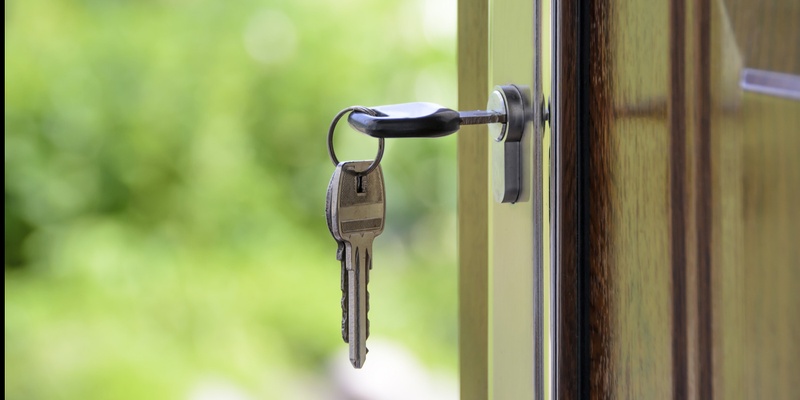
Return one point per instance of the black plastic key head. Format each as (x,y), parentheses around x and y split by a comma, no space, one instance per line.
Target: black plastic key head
(407,120)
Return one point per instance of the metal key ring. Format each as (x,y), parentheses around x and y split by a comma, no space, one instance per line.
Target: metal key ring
(332,153)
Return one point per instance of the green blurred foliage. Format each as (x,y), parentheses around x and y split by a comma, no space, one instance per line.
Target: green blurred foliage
(165,174)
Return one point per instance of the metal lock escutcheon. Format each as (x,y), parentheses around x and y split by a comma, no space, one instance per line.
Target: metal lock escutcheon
(506,140)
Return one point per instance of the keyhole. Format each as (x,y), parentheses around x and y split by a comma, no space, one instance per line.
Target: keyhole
(360,187)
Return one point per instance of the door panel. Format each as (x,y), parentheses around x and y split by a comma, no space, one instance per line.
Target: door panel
(680,278)
(762,293)
(675,218)
(755,261)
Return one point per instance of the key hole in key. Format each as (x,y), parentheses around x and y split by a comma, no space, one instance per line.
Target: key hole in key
(360,185)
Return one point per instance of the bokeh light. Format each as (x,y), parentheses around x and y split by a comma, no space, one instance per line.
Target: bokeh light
(165,178)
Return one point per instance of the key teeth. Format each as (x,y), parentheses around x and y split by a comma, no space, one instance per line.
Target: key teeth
(340,252)
(345,334)
(344,320)
(343,302)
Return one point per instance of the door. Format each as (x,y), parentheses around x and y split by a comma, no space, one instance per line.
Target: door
(678,180)
(673,185)
(504,275)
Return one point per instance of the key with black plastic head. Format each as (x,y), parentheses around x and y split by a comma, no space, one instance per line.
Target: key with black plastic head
(418,120)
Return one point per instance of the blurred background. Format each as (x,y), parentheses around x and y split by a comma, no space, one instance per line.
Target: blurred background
(165,179)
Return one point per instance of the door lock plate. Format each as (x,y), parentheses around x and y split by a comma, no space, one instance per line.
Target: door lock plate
(506,140)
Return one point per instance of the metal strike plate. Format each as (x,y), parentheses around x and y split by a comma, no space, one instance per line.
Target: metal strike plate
(506,146)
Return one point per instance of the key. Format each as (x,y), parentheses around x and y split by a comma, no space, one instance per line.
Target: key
(419,120)
(357,211)
(339,257)
(508,114)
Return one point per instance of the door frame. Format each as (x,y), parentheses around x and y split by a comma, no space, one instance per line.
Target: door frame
(503,248)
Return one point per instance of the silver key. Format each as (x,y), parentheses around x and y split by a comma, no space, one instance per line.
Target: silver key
(357,214)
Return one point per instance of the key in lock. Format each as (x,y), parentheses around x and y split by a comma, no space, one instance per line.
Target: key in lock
(507,113)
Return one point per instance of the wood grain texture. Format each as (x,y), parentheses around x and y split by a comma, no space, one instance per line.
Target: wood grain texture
(720,216)
(677,181)
(754,144)
(690,110)
(703,206)
(683,194)
(565,218)
(770,273)
(473,197)
(766,32)
(618,170)
(630,268)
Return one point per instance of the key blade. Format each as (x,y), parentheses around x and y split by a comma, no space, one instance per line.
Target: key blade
(358,258)
(481,117)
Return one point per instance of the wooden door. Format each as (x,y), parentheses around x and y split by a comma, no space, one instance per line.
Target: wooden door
(674,215)
(678,185)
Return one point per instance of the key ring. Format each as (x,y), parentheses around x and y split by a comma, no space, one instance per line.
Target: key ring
(338,116)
